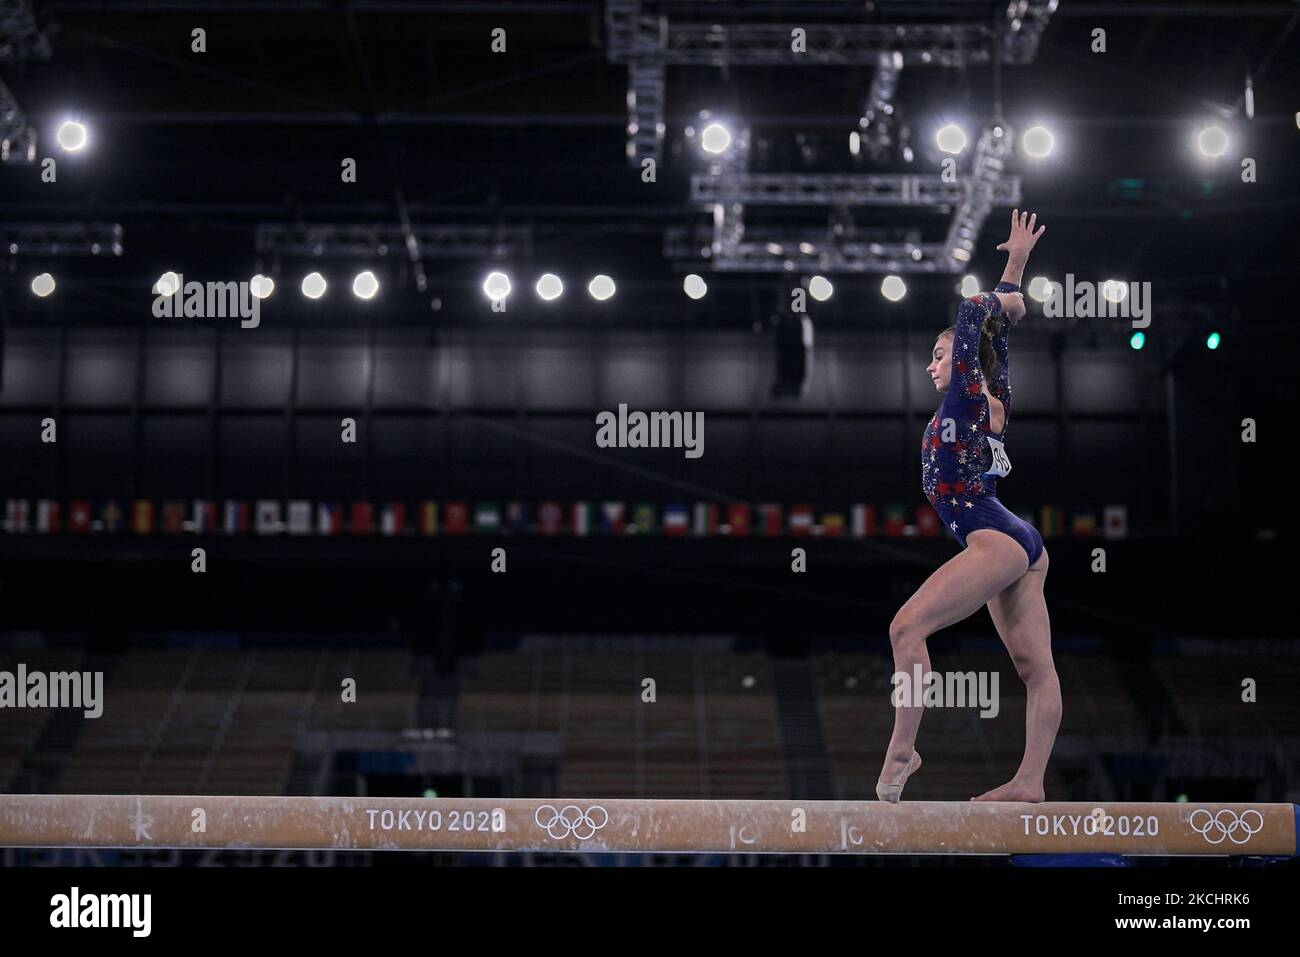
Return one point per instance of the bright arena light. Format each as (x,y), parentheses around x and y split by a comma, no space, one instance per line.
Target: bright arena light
(1137,340)
(1112,290)
(549,286)
(695,286)
(1040,289)
(820,288)
(365,285)
(167,284)
(970,286)
(1212,141)
(496,285)
(601,287)
(43,285)
(715,138)
(893,288)
(261,286)
(313,285)
(1037,141)
(71,136)
(951,139)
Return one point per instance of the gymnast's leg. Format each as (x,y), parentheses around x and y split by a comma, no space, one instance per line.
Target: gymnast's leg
(957,589)
(1020,614)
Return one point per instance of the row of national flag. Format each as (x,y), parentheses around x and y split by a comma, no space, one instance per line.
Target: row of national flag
(680,519)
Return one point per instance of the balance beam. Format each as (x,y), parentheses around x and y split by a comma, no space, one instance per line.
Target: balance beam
(644,826)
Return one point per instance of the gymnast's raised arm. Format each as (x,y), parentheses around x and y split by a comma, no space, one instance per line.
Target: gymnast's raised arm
(1018,245)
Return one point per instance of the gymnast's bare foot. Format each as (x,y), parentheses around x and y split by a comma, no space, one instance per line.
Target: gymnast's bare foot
(1014,790)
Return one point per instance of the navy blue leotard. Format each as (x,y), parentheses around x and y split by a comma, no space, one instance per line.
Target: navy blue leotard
(961,455)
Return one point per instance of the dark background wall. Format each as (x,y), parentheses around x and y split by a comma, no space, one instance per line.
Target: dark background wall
(201,412)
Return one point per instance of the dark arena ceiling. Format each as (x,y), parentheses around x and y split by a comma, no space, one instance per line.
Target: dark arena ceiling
(191,152)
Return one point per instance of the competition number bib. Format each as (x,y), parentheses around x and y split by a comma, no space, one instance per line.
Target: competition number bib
(1001,462)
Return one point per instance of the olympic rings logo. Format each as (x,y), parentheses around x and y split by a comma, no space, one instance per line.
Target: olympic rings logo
(1226,825)
(580,823)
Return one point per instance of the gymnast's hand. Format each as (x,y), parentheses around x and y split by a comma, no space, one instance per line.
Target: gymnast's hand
(1013,304)
(1023,236)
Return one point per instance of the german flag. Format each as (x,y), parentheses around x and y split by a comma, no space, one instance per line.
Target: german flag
(1051,521)
(1084,524)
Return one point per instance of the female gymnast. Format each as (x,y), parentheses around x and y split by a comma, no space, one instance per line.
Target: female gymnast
(1003,562)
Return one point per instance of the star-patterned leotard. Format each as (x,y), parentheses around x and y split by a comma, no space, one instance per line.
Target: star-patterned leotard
(961,455)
